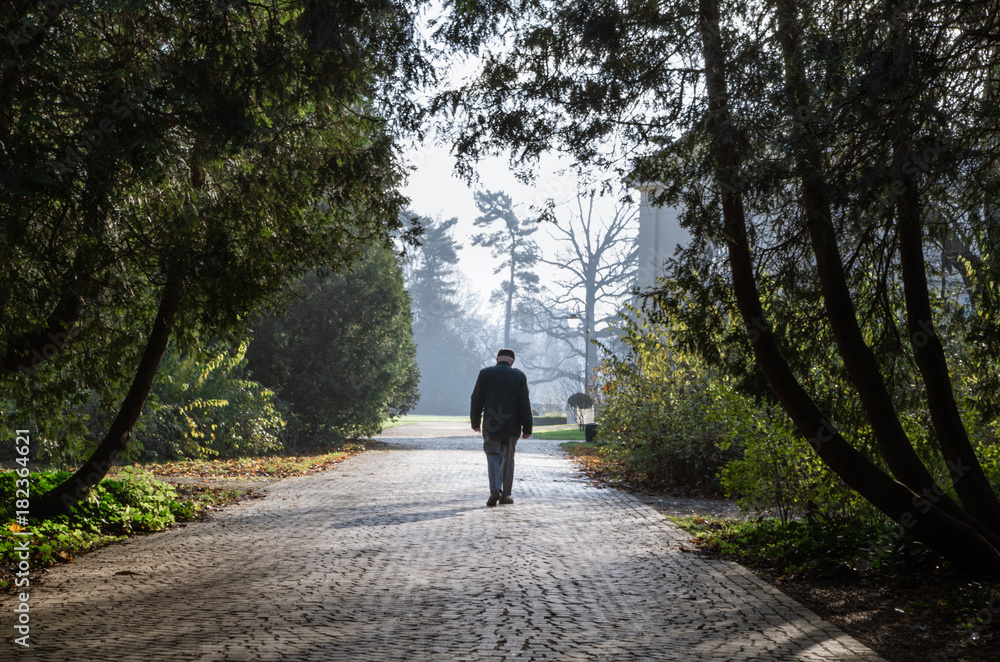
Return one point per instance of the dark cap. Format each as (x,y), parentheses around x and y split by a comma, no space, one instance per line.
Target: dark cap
(505,352)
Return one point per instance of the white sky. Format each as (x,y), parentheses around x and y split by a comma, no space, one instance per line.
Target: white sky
(435,192)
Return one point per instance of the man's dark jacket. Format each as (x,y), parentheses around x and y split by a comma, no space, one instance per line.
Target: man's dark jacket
(502,394)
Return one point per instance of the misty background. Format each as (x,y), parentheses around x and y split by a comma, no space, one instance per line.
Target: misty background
(505,263)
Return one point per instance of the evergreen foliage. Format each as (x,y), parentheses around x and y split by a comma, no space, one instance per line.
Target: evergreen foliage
(170,170)
(825,149)
(446,358)
(342,354)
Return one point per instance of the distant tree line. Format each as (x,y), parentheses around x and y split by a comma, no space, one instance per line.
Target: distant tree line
(455,338)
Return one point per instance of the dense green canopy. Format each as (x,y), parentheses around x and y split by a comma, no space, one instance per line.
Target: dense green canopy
(185,161)
(822,152)
(342,354)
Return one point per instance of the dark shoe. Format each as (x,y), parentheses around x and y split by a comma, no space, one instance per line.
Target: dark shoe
(505,500)
(494,497)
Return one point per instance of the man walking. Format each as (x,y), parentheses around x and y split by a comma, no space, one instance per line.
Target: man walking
(500,401)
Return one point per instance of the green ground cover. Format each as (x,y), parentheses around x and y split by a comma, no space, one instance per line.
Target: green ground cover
(132,503)
(804,546)
(579,448)
(560,433)
(135,500)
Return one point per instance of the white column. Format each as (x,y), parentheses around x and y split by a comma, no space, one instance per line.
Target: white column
(646,240)
(660,234)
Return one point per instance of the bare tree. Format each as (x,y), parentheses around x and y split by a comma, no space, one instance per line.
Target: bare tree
(596,265)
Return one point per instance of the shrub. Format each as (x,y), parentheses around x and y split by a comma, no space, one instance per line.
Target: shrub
(656,412)
(203,405)
(672,420)
(777,472)
(134,502)
(342,356)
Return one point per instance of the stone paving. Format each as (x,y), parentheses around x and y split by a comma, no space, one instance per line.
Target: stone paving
(394,555)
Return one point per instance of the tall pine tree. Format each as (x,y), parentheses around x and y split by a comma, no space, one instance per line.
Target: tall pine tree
(447,362)
(511,242)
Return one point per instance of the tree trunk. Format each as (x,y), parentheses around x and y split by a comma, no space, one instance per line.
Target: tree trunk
(961,544)
(971,484)
(62,498)
(859,359)
(590,295)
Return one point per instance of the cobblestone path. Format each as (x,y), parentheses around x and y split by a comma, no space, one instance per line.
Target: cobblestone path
(395,556)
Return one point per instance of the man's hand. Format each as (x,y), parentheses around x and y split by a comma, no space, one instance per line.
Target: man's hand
(475,429)
(525,435)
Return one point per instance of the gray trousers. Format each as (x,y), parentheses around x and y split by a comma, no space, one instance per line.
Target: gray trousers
(500,462)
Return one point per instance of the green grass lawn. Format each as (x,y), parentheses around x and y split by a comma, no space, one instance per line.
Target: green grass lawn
(562,433)
(556,432)
(426,418)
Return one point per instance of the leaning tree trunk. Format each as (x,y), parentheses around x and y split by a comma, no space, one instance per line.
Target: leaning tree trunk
(859,359)
(62,498)
(967,475)
(960,543)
